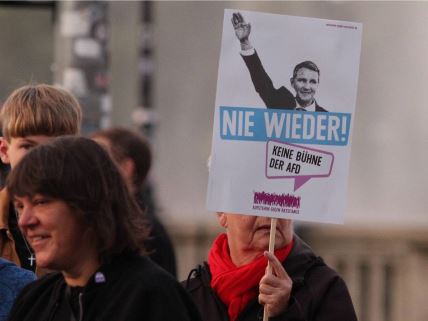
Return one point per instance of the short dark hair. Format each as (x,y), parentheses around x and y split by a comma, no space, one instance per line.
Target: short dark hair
(79,172)
(308,65)
(125,143)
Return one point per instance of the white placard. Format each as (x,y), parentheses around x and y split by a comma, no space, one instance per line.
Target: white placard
(268,157)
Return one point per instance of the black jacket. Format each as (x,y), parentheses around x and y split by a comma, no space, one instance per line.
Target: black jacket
(130,288)
(318,293)
(159,245)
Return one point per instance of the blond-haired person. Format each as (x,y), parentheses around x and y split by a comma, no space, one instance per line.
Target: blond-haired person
(30,116)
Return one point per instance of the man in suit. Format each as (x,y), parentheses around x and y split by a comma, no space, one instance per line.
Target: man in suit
(305,78)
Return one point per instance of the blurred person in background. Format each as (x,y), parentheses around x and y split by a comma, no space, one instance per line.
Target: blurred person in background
(79,217)
(132,153)
(233,284)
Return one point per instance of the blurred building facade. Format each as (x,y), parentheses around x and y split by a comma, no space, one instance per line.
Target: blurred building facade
(169,51)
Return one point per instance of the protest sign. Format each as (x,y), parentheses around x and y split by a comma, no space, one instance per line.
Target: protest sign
(285,104)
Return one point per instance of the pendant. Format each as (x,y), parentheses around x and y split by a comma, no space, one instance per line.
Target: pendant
(32,259)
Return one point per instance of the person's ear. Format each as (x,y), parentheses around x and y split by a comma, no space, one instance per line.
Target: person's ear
(222,218)
(127,170)
(292,81)
(128,167)
(4,147)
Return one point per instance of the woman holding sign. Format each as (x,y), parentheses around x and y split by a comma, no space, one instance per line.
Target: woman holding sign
(77,214)
(234,284)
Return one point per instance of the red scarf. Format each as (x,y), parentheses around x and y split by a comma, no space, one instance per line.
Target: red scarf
(236,286)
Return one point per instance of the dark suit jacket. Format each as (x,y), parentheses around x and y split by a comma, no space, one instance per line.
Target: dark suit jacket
(280,98)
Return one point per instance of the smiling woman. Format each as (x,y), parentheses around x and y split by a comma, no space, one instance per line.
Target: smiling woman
(76,212)
(59,236)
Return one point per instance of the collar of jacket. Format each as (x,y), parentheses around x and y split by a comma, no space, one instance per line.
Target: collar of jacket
(4,209)
(300,261)
(109,271)
(105,275)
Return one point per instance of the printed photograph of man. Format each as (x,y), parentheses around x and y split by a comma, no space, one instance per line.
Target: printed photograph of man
(305,79)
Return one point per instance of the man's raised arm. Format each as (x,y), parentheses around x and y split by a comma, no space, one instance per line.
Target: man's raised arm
(272,97)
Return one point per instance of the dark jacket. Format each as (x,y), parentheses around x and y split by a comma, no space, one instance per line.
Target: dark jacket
(130,288)
(280,98)
(318,292)
(159,245)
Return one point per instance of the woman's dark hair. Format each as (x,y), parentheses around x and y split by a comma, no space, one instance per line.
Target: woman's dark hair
(80,172)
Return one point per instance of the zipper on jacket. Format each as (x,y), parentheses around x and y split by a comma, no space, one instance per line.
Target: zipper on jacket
(80,307)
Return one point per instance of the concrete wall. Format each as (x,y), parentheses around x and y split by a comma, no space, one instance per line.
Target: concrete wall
(26,47)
